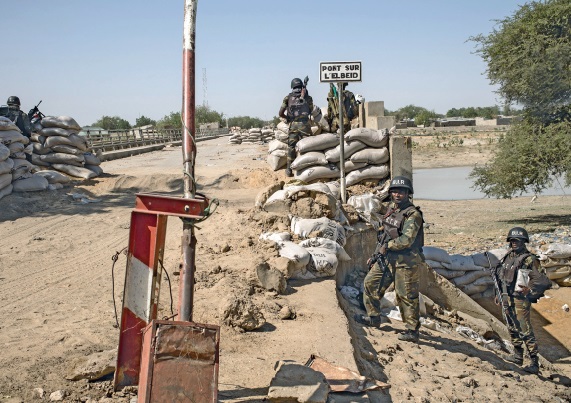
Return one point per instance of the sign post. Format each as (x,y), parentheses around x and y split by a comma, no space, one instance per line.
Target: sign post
(340,73)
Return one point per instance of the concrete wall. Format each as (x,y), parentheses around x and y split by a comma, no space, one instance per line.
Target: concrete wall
(380,122)
(400,150)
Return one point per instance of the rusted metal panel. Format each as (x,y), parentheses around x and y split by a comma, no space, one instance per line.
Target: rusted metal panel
(153,203)
(179,363)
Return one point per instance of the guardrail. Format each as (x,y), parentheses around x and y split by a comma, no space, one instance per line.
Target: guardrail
(112,140)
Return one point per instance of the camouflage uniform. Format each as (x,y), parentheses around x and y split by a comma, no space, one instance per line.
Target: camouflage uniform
(298,129)
(405,259)
(333,114)
(21,120)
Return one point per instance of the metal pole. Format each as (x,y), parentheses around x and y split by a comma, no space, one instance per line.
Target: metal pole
(341,143)
(186,291)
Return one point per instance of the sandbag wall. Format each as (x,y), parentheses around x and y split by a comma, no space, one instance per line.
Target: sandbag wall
(251,136)
(57,145)
(556,259)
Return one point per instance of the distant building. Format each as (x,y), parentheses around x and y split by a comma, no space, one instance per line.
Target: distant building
(454,121)
(93,130)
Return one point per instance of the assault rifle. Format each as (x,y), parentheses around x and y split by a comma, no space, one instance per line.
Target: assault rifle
(381,260)
(504,300)
(304,89)
(34,114)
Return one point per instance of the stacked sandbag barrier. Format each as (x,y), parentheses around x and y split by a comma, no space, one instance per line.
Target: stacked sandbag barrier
(556,259)
(58,145)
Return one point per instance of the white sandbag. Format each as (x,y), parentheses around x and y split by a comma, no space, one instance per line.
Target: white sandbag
(436,254)
(335,188)
(367,202)
(461,262)
(6,166)
(373,156)
(564,282)
(20,167)
(40,149)
(276,145)
(472,289)
(323,262)
(281,136)
(73,140)
(317,143)
(267,131)
(291,190)
(95,168)
(74,171)
(55,186)
(277,161)
(64,122)
(7,124)
(6,191)
(12,136)
(65,149)
(36,138)
(499,253)
(275,236)
(313,173)
(315,130)
(255,130)
(369,172)
(29,149)
(4,152)
(5,180)
(555,273)
(294,252)
(54,176)
(278,195)
(326,244)
(371,137)
(91,159)
(18,155)
(37,161)
(56,131)
(435,265)
(334,155)
(551,262)
(470,277)
(318,227)
(558,250)
(62,158)
(16,147)
(352,166)
(480,259)
(309,159)
(284,127)
(34,183)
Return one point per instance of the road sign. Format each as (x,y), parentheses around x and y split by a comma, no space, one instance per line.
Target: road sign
(332,72)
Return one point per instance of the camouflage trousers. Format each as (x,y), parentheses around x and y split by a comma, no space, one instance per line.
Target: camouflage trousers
(297,131)
(523,315)
(335,125)
(406,290)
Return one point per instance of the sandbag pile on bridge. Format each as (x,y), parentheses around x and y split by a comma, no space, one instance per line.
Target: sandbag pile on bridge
(57,145)
(251,136)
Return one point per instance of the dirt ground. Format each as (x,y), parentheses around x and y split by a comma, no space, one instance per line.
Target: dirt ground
(56,287)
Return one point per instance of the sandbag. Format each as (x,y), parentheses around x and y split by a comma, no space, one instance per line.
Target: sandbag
(57,131)
(558,251)
(317,143)
(36,138)
(368,172)
(334,155)
(54,176)
(564,282)
(5,180)
(276,145)
(472,289)
(292,251)
(20,167)
(34,183)
(18,155)
(65,122)
(480,259)
(461,262)
(313,173)
(326,244)
(74,171)
(40,149)
(29,149)
(277,160)
(436,254)
(373,156)
(281,136)
(16,147)
(95,168)
(12,136)
(315,130)
(283,127)
(334,188)
(449,274)
(62,158)
(434,265)
(37,161)
(6,191)
(469,278)
(6,166)
(352,166)
(318,227)
(4,152)
(371,137)
(7,124)
(551,262)
(291,189)
(73,140)
(275,236)
(65,149)
(309,159)
(323,262)
(91,159)
(555,273)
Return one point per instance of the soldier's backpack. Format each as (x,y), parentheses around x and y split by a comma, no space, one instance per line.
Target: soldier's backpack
(296,106)
(350,105)
(538,283)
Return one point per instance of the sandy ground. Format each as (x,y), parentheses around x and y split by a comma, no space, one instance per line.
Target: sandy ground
(57,300)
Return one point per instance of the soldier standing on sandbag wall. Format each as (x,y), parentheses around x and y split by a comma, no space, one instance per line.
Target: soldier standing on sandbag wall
(19,118)
(350,111)
(298,105)
(522,281)
(398,258)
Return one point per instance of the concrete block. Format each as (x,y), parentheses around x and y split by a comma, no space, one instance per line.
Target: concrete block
(362,120)
(400,150)
(375,109)
(380,122)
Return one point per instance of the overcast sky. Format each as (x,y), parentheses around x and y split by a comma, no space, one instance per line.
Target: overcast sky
(87,59)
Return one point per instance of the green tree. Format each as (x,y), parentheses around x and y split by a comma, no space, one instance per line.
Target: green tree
(112,123)
(204,114)
(425,118)
(529,57)
(144,121)
(246,122)
(170,121)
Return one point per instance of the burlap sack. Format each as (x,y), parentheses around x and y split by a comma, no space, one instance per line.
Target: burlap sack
(352,166)
(6,166)
(371,137)
(317,143)
(95,168)
(309,159)
(65,122)
(56,131)
(277,159)
(334,155)
(62,158)
(7,124)
(6,191)
(54,176)
(372,156)
(12,136)
(369,172)
(34,183)
(316,172)
(91,159)
(67,150)
(72,140)
(77,172)
(4,152)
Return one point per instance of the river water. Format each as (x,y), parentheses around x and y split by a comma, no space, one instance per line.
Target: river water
(454,184)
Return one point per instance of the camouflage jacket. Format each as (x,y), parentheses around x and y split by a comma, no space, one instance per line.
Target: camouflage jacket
(350,107)
(21,120)
(307,98)
(410,228)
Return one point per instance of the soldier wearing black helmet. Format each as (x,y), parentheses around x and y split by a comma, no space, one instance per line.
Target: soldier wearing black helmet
(19,118)
(296,109)
(522,281)
(401,239)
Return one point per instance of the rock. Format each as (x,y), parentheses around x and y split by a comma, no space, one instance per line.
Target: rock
(271,279)
(242,313)
(284,265)
(38,393)
(58,395)
(297,383)
(225,248)
(95,366)
(286,312)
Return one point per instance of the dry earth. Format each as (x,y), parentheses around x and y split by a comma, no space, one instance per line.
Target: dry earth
(56,290)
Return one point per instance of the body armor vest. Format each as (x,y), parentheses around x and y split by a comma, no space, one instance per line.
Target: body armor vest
(297,108)
(393,222)
(510,266)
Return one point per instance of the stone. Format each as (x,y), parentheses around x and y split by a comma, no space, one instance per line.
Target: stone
(241,313)
(286,312)
(297,383)
(271,279)
(58,396)
(95,366)
(38,393)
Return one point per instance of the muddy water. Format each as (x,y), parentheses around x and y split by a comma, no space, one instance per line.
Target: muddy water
(454,184)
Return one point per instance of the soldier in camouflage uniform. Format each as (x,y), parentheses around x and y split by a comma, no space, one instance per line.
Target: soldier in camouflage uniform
(516,279)
(19,118)
(298,105)
(400,246)
(350,111)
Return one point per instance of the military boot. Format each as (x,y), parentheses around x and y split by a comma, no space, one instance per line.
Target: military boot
(516,357)
(533,368)
(409,335)
(373,321)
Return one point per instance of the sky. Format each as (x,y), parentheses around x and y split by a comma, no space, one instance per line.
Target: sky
(87,59)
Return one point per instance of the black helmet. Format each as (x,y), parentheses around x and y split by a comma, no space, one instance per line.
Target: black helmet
(296,82)
(401,182)
(518,233)
(13,100)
